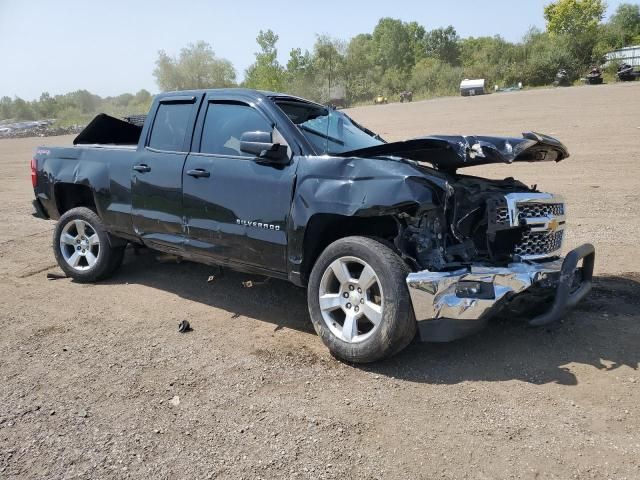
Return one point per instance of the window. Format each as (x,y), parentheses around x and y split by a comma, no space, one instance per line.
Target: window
(224,125)
(170,126)
(328,130)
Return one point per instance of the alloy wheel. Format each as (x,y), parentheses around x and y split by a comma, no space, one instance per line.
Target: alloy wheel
(79,245)
(351,299)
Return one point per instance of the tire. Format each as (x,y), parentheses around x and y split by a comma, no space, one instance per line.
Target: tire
(375,320)
(82,246)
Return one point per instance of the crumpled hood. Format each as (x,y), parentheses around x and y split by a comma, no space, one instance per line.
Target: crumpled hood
(450,152)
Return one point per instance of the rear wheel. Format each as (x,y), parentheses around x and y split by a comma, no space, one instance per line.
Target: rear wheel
(359,302)
(82,246)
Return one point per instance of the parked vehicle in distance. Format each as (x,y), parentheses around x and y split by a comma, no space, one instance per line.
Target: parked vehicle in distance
(512,88)
(389,239)
(594,77)
(380,99)
(562,79)
(337,103)
(627,73)
(406,96)
(338,96)
(471,88)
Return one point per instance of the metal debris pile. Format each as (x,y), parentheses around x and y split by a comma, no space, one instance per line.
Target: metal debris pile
(36,128)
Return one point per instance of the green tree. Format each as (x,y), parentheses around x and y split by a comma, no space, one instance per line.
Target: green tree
(299,74)
(328,60)
(266,73)
(196,67)
(574,17)
(577,24)
(392,45)
(361,69)
(298,62)
(417,35)
(123,100)
(84,100)
(143,97)
(46,106)
(624,25)
(443,44)
(492,58)
(544,55)
(393,81)
(6,108)
(431,77)
(22,110)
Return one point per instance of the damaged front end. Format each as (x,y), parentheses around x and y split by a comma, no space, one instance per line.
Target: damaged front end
(477,247)
(451,305)
(501,251)
(448,153)
(490,247)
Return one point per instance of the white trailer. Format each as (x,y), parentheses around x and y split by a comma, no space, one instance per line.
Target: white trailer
(472,87)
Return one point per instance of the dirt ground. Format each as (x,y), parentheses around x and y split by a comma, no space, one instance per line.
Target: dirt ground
(96,382)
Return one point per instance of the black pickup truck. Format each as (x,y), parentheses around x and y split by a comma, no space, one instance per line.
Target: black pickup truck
(388,238)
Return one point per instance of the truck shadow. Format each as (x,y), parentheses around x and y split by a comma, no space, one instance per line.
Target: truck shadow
(276,301)
(603,332)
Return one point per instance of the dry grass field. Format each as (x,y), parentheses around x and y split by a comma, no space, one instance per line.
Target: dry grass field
(96,382)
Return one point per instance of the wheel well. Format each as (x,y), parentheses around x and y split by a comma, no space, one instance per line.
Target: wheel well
(72,195)
(324,229)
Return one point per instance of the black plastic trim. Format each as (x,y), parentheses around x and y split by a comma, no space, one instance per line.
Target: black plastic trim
(565,298)
(40,212)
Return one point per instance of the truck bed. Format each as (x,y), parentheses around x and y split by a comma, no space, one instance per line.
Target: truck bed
(107,130)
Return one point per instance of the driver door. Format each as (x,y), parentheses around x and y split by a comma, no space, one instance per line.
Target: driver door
(235,208)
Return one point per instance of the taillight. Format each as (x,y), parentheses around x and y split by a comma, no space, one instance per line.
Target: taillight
(34,175)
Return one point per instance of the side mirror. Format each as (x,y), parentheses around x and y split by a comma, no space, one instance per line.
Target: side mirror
(261,145)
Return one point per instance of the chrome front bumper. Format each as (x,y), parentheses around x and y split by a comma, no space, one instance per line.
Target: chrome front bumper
(450,305)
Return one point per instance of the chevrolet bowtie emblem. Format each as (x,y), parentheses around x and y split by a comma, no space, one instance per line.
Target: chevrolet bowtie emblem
(553,225)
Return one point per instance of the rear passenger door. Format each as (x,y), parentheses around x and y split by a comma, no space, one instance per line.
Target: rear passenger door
(156,177)
(236,208)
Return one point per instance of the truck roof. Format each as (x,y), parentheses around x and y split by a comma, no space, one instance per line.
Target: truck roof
(246,91)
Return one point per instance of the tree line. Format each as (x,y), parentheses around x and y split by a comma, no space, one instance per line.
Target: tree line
(394,57)
(74,108)
(398,56)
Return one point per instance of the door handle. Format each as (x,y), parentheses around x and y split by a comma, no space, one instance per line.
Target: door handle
(198,172)
(142,168)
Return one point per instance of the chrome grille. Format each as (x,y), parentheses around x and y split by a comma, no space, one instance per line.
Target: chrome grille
(539,243)
(543,213)
(530,210)
(502,215)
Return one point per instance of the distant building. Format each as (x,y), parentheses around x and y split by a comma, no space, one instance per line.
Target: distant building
(630,55)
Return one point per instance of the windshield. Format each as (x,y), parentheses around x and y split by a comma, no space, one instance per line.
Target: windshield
(330,131)
(335,133)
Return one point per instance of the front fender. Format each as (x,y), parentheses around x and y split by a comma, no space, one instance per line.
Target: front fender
(357,187)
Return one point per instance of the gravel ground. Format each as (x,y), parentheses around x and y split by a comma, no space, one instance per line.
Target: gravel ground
(97,383)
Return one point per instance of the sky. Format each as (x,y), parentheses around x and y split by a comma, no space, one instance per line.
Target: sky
(110,47)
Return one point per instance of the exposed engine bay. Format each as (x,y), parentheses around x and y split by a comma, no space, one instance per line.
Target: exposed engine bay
(483,221)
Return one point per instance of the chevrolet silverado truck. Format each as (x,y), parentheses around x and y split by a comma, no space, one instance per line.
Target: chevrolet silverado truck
(389,239)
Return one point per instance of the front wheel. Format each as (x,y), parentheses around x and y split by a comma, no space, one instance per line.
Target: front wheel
(359,302)
(82,246)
